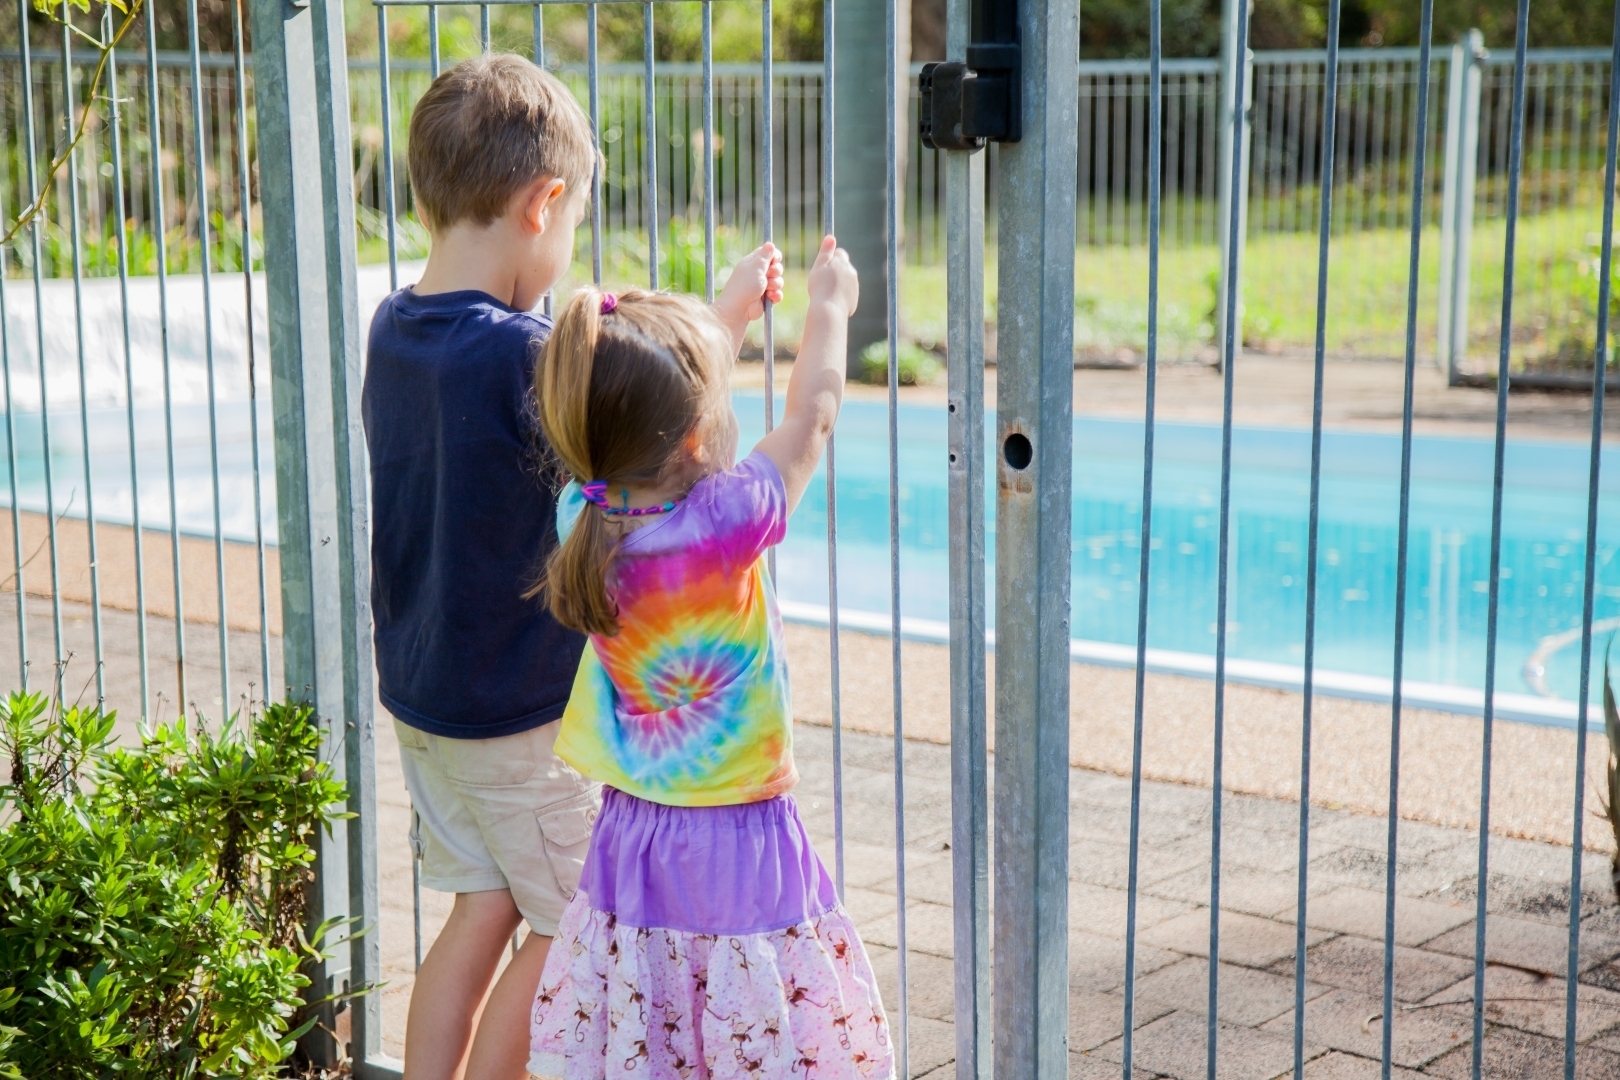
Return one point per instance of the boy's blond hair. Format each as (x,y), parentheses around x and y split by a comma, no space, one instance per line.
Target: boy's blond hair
(486,129)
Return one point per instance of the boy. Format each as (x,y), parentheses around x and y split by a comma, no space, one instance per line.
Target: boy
(463,514)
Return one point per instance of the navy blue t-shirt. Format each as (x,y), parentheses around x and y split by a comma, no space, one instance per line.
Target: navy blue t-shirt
(463,512)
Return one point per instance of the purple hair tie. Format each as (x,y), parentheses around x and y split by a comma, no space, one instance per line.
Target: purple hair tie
(610,303)
(595,493)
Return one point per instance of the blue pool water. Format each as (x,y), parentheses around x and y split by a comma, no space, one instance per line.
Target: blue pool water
(1448,570)
(1543,548)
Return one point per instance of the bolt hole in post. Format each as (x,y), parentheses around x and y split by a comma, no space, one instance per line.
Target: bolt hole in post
(1017,451)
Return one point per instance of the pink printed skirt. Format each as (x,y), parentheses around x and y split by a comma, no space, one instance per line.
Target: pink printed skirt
(707,944)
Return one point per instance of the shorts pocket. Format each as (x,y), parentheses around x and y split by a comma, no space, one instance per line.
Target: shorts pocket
(506,761)
(565,834)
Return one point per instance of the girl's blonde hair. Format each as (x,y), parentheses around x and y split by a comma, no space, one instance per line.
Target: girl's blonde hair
(627,396)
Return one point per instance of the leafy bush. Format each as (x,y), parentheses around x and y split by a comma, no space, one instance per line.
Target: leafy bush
(152,898)
(918,366)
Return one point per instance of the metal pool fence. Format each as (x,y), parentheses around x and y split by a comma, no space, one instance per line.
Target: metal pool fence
(1336,156)
(1468,99)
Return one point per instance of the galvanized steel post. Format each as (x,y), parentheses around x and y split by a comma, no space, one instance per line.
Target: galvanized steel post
(307,188)
(1034,419)
(1457,199)
(1235,71)
(970,805)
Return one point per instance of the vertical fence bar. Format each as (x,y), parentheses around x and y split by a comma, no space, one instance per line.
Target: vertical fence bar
(1034,420)
(483,29)
(69,122)
(829,223)
(1403,532)
(891,187)
(596,135)
(537,27)
(160,239)
(649,138)
(200,144)
(1145,565)
(39,317)
(768,181)
(116,124)
(708,151)
(1600,358)
(385,88)
(17,579)
(433,39)
(1503,375)
(302,101)
(1324,233)
(244,179)
(1231,342)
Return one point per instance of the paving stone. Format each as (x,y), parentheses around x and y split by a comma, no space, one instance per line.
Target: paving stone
(1095,1019)
(1536,1003)
(867,906)
(1245,939)
(1528,944)
(1518,1055)
(931,983)
(1349,910)
(1176,1046)
(929,929)
(1090,1067)
(1341,1066)
(1098,863)
(1354,963)
(1098,963)
(1247,997)
(1102,911)
(928,877)
(866,866)
(1352,1022)
(1109,819)
(1277,816)
(1252,892)
(1265,850)
(931,1043)
(1415,875)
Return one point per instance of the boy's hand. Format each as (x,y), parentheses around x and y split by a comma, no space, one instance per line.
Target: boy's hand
(833,281)
(754,280)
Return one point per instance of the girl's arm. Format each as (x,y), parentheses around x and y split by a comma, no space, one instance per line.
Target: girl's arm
(816,388)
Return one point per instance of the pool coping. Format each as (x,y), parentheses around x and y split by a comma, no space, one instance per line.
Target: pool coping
(1519,708)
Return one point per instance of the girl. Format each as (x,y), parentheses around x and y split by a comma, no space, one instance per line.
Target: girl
(706,939)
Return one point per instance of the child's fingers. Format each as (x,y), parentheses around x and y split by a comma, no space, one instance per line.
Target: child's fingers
(829,244)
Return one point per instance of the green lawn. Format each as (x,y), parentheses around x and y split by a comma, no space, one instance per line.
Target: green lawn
(1555,294)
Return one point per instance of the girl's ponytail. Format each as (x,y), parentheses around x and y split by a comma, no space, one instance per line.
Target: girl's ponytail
(621,383)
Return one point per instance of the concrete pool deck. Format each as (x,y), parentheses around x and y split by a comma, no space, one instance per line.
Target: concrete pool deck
(1276,391)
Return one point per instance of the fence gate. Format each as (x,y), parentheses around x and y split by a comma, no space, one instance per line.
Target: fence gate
(314,340)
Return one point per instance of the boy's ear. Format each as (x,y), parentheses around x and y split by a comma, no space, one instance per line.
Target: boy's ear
(537,201)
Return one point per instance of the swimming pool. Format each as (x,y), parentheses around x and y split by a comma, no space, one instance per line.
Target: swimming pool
(1542,551)
(1448,571)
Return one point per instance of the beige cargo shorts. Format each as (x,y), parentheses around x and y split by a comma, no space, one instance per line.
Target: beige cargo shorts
(503,813)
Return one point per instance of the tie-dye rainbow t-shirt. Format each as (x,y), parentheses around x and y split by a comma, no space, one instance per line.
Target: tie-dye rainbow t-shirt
(688,704)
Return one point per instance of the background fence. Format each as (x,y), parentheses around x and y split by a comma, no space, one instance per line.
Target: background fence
(1566,96)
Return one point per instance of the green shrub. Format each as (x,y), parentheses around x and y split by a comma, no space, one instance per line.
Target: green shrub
(918,366)
(152,898)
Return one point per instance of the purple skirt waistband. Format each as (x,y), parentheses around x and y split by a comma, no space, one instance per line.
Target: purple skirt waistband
(744,869)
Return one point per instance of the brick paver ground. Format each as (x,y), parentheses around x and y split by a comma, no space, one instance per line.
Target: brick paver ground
(1526,944)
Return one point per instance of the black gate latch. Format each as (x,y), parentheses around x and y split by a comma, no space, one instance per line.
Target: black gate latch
(964,105)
